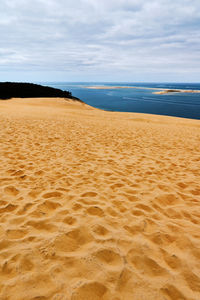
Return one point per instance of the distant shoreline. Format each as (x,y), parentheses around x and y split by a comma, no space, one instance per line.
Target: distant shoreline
(159,91)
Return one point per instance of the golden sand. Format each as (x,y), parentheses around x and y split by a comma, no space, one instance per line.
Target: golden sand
(97,205)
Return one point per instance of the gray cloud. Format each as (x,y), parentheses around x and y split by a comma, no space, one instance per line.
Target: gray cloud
(126,40)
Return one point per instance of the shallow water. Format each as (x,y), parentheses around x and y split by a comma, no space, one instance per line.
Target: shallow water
(186,105)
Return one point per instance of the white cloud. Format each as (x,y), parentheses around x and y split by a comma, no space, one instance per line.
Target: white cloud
(88,37)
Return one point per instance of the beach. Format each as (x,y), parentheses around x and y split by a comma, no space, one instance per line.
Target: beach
(96,204)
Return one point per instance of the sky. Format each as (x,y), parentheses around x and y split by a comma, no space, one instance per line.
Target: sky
(100,40)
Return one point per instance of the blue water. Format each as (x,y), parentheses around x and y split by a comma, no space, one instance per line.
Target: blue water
(186,105)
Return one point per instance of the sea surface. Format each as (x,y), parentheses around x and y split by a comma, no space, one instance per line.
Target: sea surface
(186,105)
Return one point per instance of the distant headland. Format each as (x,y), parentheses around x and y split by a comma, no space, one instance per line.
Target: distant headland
(10,90)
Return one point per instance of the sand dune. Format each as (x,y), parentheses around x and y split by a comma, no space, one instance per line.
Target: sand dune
(97,205)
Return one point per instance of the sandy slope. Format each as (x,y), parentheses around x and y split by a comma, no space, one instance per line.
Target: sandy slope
(97,205)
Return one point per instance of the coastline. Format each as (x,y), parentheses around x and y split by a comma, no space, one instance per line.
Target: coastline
(97,204)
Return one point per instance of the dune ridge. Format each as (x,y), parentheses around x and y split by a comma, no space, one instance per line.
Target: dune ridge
(97,205)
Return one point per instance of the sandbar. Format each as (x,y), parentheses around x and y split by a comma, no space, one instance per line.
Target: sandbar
(166,91)
(159,91)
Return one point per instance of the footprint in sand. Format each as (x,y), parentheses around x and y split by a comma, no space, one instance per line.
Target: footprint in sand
(167,199)
(172,293)
(26,264)
(101,232)
(11,191)
(90,290)
(49,206)
(52,195)
(108,257)
(16,233)
(69,220)
(89,194)
(72,240)
(95,211)
(8,208)
(42,225)
(144,264)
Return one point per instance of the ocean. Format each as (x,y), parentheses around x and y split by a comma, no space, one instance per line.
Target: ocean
(185,105)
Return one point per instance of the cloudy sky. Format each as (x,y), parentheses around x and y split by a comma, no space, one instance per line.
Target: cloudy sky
(100,40)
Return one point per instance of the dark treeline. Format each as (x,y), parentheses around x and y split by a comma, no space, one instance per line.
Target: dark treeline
(29,90)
